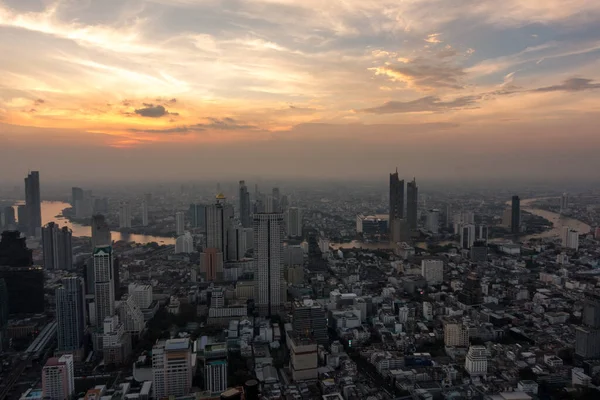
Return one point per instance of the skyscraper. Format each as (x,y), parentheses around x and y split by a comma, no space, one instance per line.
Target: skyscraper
(70,314)
(144,212)
(3,308)
(467,236)
(294,222)
(433,221)
(100,232)
(33,203)
(412,203)
(125,215)
(184,244)
(396,200)
(9,222)
(172,368)
(76,198)
(309,320)
(564,202)
(58,378)
(104,285)
(587,336)
(57,247)
(196,214)
(22,225)
(218,223)
(238,243)
(515,215)
(244,205)
(179,223)
(268,249)
(211,264)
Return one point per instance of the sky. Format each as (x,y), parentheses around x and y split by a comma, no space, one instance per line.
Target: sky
(192,89)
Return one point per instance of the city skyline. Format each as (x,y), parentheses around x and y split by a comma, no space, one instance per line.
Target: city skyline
(496,90)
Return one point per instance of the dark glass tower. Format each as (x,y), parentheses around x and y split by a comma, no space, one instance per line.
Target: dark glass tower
(412,202)
(33,203)
(515,219)
(244,197)
(57,247)
(396,198)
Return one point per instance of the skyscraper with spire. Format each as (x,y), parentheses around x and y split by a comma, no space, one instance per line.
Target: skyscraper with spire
(412,203)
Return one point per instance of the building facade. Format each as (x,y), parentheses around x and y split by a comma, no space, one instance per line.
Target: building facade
(58,379)
(104,285)
(57,247)
(268,250)
(70,314)
(33,203)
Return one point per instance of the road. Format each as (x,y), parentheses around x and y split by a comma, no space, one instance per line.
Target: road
(14,377)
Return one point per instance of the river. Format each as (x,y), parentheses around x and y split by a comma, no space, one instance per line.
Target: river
(557,220)
(52,212)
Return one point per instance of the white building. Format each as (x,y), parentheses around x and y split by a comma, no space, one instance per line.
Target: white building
(433,271)
(58,378)
(104,283)
(184,244)
(131,315)
(125,215)
(215,376)
(476,362)
(144,212)
(467,236)
(432,223)
(179,223)
(456,334)
(268,249)
(570,238)
(141,294)
(173,365)
(293,222)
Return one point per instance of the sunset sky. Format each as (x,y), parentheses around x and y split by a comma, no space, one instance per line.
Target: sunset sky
(141,89)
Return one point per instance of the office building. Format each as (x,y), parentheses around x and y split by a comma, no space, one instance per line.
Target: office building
(432,223)
(101,235)
(400,230)
(33,203)
(309,320)
(476,362)
(130,314)
(173,366)
(303,358)
(268,249)
(184,244)
(214,356)
(179,223)
(218,219)
(412,204)
(244,198)
(293,222)
(456,334)
(237,243)
(515,215)
(116,342)
(276,201)
(70,314)
(145,212)
(58,378)
(467,236)
(196,215)
(211,264)
(396,200)
(76,198)
(104,285)
(141,294)
(125,216)
(570,238)
(433,271)
(57,247)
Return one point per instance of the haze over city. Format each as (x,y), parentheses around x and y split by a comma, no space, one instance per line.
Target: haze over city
(179,89)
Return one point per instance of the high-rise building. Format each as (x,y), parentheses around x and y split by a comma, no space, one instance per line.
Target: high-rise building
(131,315)
(456,334)
(101,235)
(211,264)
(22,223)
(587,337)
(237,243)
(141,294)
(268,249)
(570,238)
(412,203)
(482,233)
(3,309)
(144,213)
(76,198)
(433,221)
(294,222)
(215,367)
(70,314)
(33,203)
(104,286)
(396,199)
(564,202)
(116,342)
(172,368)
(433,271)
(179,222)
(515,215)
(471,294)
(244,205)
(9,222)
(476,362)
(184,244)
(58,378)
(100,205)
(309,320)
(218,224)
(57,247)
(467,236)
(125,216)
(197,215)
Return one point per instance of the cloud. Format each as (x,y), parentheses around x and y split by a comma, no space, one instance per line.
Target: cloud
(423,74)
(222,124)
(571,85)
(226,124)
(446,53)
(424,104)
(433,38)
(39,102)
(152,111)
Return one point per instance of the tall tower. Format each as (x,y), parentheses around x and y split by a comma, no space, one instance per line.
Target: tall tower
(104,283)
(268,249)
(245,205)
(125,215)
(33,203)
(179,222)
(396,199)
(57,247)
(218,223)
(100,232)
(70,314)
(294,222)
(515,219)
(412,203)
(144,212)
